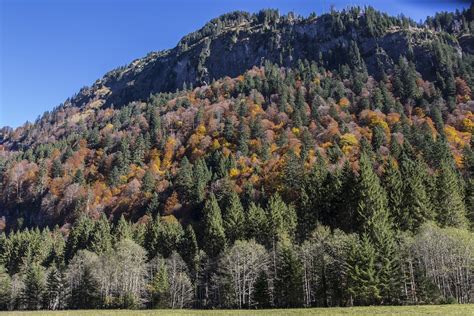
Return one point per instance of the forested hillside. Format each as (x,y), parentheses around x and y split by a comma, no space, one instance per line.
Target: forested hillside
(328,164)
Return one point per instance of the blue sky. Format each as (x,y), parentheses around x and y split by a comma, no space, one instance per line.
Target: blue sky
(49,49)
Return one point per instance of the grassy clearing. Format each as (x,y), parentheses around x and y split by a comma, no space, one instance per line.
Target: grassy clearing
(463,310)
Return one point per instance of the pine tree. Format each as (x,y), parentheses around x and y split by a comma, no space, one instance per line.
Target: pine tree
(416,206)
(393,184)
(256,223)
(148,182)
(86,294)
(5,288)
(101,238)
(261,292)
(79,237)
(189,249)
(123,230)
(214,234)
(377,225)
(55,292)
(234,219)
(450,204)
(159,287)
(362,273)
(34,286)
(152,236)
(289,276)
(184,180)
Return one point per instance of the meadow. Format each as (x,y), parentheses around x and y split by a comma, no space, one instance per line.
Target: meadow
(467,309)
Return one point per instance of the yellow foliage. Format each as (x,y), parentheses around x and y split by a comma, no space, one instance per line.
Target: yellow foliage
(201,129)
(295,131)
(216,144)
(169,219)
(109,126)
(317,81)
(326,145)
(169,150)
(468,125)
(349,140)
(459,139)
(419,112)
(234,172)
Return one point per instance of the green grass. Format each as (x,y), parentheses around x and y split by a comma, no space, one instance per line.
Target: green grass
(463,310)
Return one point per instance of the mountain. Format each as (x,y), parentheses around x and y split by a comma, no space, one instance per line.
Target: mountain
(247,40)
(330,156)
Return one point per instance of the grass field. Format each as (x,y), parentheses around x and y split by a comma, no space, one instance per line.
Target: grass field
(379,310)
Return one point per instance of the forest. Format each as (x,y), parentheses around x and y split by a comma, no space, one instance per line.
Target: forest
(324,183)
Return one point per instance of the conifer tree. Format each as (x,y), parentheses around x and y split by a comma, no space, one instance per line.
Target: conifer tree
(184,180)
(159,287)
(55,290)
(152,236)
(393,184)
(451,210)
(123,230)
(86,294)
(288,278)
(377,225)
(101,237)
(148,182)
(362,273)
(256,223)
(416,206)
(79,237)
(34,286)
(5,288)
(261,293)
(189,249)
(234,219)
(214,234)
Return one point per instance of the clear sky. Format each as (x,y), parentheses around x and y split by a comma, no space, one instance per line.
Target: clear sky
(49,49)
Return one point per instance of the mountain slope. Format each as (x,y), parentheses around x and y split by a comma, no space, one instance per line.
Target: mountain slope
(235,42)
(348,78)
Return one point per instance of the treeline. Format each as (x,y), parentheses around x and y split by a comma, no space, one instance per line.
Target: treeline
(110,269)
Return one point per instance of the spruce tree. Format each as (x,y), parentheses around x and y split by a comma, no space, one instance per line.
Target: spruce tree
(256,223)
(416,206)
(123,230)
(377,225)
(5,288)
(214,234)
(55,291)
(159,287)
(34,286)
(86,294)
(189,249)
(184,180)
(261,292)
(79,237)
(289,276)
(362,273)
(234,219)
(101,238)
(393,183)
(152,236)
(451,210)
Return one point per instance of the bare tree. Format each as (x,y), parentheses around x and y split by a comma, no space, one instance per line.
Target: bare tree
(240,267)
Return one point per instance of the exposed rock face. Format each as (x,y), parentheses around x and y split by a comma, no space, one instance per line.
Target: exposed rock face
(233,43)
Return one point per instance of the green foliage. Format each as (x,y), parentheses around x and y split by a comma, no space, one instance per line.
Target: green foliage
(214,239)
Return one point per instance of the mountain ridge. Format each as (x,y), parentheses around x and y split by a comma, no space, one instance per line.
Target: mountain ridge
(168,70)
